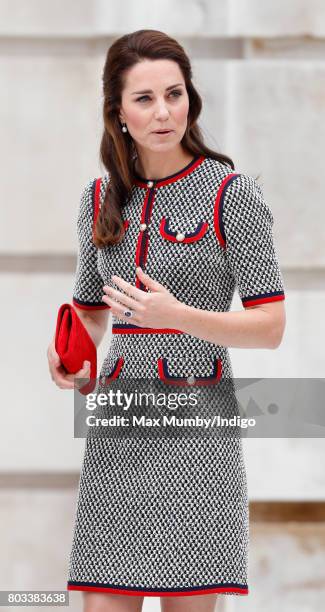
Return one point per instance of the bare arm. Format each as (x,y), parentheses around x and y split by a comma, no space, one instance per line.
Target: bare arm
(255,327)
(95,321)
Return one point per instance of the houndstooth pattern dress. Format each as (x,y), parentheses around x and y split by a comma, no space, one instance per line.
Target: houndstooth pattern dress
(163,517)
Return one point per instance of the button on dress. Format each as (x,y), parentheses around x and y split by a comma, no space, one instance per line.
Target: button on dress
(170,516)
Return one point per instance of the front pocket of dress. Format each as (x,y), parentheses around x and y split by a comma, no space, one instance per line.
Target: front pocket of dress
(182,235)
(192,380)
(115,371)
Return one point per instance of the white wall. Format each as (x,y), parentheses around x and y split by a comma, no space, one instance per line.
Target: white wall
(263,85)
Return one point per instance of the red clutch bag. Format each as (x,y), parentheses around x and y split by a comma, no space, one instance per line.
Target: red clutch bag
(74,345)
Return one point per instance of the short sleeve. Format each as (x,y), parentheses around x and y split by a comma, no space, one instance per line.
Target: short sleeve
(248,228)
(88,283)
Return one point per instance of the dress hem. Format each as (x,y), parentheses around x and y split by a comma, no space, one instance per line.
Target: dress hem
(226,588)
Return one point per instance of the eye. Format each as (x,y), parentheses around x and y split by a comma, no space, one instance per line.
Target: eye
(175,91)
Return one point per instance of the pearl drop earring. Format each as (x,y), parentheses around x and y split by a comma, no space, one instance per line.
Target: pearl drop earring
(124,128)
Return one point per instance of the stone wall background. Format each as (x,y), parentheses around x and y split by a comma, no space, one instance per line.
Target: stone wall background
(260,70)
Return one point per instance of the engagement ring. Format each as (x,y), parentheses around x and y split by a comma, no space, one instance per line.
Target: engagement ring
(128,313)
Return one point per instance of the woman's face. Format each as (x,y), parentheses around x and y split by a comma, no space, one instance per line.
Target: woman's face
(155,98)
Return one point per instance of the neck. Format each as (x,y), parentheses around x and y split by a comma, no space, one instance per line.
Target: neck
(153,166)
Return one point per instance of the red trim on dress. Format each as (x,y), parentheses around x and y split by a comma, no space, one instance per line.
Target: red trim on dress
(183,380)
(146,247)
(172,179)
(137,259)
(115,372)
(144,205)
(263,300)
(172,238)
(145,330)
(143,238)
(226,589)
(217,213)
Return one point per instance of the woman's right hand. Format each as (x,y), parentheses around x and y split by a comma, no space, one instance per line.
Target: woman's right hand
(58,373)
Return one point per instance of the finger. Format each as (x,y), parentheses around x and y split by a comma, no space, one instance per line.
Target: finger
(63,382)
(120,297)
(77,379)
(119,311)
(128,288)
(53,356)
(68,381)
(56,370)
(61,372)
(84,372)
(148,281)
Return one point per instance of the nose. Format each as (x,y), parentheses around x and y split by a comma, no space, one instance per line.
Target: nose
(161,110)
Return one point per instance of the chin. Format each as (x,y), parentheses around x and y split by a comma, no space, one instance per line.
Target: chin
(165,146)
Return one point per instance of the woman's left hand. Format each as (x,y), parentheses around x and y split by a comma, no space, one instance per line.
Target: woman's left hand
(150,309)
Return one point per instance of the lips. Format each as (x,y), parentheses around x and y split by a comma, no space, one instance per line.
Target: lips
(162,131)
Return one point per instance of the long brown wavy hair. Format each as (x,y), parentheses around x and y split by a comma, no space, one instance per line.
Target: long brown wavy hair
(117,149)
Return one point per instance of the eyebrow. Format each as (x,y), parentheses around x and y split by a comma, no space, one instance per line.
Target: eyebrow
(150,90)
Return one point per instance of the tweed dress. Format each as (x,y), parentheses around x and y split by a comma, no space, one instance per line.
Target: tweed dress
(170,517)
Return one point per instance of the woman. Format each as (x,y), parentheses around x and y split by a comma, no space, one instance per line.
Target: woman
(175,232)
